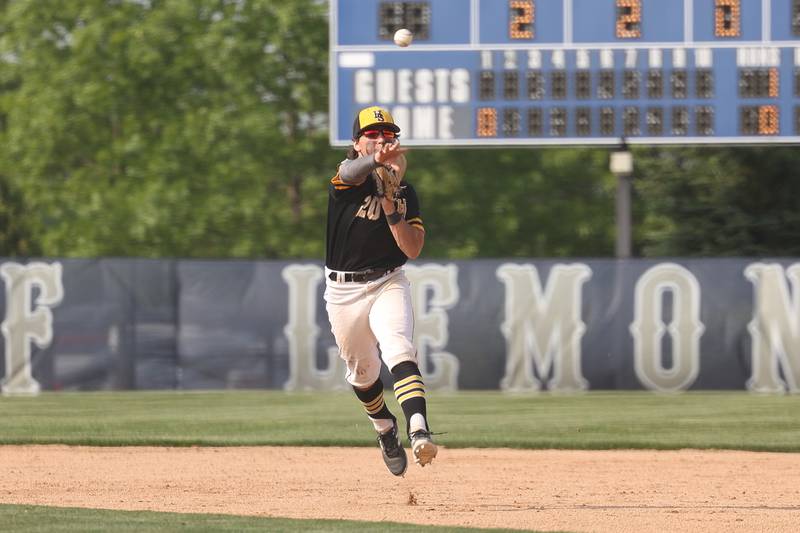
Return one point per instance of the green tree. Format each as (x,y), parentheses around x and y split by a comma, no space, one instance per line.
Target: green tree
(158,128)
(15,228)
(16,236)
(718,201)
(515,202)
(199,129)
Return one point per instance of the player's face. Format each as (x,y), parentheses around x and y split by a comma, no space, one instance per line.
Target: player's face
(372,139)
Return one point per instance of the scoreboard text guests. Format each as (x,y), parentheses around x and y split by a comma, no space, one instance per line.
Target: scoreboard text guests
(539,72)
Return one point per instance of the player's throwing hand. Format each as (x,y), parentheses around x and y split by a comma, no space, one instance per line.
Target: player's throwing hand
(387,153)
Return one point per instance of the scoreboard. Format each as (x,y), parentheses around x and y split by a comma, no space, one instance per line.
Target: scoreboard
(576,72)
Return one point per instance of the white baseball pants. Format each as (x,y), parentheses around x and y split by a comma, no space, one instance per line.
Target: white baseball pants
(366,317)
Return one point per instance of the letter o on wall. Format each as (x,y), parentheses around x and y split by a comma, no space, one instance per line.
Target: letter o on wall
(684,329)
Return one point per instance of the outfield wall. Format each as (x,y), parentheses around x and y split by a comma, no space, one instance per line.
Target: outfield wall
(515,325)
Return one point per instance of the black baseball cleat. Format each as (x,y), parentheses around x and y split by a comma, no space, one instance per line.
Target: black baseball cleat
(423,447)
(393,453)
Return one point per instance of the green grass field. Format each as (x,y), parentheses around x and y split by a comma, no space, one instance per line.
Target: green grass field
(597,420)
(37,519)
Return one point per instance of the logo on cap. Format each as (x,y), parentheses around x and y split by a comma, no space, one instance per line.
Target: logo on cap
(378,113)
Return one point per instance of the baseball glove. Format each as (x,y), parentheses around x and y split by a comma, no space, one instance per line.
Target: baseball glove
(389,184)
(390,177)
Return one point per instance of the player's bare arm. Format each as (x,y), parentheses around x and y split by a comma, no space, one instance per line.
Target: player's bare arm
(410,239)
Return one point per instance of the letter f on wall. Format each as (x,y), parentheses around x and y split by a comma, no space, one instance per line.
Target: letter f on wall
(27,321)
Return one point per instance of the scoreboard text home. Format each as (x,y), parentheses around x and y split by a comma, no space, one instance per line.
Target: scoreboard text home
(538,72)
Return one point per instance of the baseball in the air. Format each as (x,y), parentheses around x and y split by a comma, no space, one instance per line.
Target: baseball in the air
(403,37)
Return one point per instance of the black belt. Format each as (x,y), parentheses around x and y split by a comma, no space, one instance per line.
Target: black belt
(363,276)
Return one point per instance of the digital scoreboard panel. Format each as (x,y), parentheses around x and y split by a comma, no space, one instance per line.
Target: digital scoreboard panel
(578,72)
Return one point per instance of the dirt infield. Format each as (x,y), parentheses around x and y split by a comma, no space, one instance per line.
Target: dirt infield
(637,491)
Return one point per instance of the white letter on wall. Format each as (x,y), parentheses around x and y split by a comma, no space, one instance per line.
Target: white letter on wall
(685,329)
(302,333)
(543,328)
(431,323)
(23,325)
(775,328)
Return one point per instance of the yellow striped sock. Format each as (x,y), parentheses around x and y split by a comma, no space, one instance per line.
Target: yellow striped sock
(409,387)
(374,406)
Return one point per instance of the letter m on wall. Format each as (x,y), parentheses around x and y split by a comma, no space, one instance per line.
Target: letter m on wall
(543,328)
(27,319)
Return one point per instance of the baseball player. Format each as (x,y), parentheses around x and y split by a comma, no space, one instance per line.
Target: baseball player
(374,227)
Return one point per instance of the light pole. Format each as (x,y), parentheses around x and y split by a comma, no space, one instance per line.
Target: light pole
(621,165)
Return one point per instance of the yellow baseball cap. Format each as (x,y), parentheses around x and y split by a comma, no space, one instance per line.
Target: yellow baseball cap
(373,116)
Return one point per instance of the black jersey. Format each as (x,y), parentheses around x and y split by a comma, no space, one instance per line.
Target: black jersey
(359,237)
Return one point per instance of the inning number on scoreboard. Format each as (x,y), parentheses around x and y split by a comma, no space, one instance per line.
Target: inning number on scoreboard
(629,19)
(521,16)
(727,18)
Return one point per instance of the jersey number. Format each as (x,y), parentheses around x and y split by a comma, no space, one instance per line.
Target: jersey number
(371,208)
